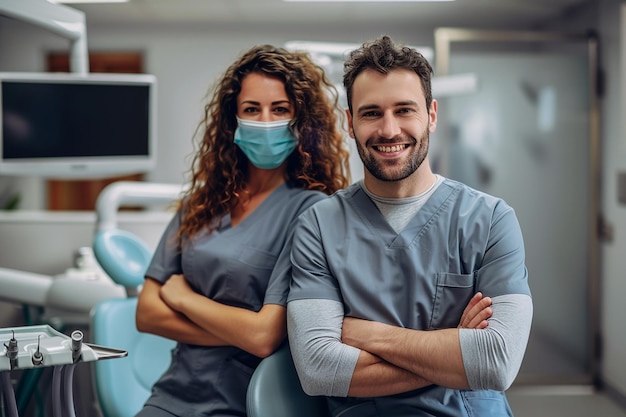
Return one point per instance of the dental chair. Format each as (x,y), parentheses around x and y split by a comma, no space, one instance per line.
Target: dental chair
(122,386)
(275,390)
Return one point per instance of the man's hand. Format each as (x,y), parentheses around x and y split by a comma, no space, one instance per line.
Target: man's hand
(430,356)
(476,313)
(475,316)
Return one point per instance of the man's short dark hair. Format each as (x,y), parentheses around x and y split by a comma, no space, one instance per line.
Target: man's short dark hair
(383,55)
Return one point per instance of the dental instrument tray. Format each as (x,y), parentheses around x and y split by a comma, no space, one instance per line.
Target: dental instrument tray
(36,346)
(41,345)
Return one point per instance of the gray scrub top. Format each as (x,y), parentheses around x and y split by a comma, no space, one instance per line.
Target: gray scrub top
(245,266)
(460,242)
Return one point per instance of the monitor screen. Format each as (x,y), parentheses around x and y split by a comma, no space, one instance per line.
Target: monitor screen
(61,125)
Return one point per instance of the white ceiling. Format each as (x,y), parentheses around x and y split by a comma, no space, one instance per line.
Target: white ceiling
(526,14)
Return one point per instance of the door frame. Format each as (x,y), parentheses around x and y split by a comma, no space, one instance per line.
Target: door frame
(444,38)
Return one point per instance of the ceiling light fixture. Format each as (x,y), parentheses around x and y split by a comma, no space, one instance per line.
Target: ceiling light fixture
(87,1)
(366,1)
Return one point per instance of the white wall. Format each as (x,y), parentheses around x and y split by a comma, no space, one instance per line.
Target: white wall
(186,62)
(44,242)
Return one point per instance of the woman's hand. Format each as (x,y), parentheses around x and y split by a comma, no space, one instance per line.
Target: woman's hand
(155,316)
(175,291)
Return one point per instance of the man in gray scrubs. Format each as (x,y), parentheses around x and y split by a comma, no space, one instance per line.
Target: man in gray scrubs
(383,270)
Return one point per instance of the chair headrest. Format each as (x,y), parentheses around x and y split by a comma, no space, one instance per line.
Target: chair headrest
(123,256)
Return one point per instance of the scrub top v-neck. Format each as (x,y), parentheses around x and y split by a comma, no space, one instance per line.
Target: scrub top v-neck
(244,266)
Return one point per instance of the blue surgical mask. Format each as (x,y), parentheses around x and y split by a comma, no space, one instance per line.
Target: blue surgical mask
(266,144)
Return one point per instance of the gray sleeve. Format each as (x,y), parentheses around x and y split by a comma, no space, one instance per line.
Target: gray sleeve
(166,259)
(324,364)
(492,356)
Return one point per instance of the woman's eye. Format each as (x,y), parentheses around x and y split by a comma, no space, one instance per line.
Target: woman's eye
(250,110)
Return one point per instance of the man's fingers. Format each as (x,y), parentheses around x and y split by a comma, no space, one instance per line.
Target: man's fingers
(472,303)
(477,311)
(479,321)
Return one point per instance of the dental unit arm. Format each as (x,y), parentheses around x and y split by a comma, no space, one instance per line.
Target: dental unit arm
(116,250)
(121,254)
(25,287)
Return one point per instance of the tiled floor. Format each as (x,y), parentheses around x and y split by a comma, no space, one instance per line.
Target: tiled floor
(562,401)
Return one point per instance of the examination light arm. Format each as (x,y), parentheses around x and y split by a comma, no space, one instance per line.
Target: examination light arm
(57,18)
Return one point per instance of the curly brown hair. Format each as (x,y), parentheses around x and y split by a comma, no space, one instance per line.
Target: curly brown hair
(219,168)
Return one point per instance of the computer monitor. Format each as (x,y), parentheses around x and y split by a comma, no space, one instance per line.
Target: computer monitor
(76,126)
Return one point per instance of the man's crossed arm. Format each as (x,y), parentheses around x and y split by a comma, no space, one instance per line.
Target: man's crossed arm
(339,356)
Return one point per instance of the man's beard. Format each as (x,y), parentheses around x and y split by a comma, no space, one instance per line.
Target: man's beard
(377,167)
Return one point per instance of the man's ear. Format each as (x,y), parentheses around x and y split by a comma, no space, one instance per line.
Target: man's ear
(432,116)
(350,126)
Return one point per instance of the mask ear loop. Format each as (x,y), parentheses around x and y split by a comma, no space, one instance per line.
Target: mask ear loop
(293,128)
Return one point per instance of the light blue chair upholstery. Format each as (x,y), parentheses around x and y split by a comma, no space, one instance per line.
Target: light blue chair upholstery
(123,385)
(123,256)
(275,390)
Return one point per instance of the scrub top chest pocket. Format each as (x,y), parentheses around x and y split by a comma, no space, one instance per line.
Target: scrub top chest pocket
(452,293)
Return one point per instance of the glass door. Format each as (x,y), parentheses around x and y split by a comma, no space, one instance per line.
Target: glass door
(528,134)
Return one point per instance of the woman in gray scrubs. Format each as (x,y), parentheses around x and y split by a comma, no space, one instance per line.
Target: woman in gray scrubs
(219,278)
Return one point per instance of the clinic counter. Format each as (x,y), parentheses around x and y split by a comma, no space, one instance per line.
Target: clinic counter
(46,242)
